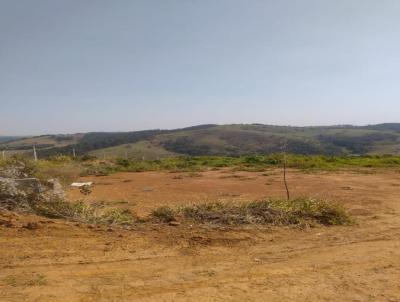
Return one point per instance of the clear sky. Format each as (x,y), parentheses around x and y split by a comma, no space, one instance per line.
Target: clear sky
(92,65)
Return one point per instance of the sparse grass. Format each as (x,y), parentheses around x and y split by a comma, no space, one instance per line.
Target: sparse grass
(258,163)
(279,212)
(275,212)
(164,214)
(194,174)
(82,212)
(63,209)
(238,177)
(98,169)
(67,169)
(26,280)
(63,168)
(37,280)
(66,174)
(188,175)
(11,281)
(118,217)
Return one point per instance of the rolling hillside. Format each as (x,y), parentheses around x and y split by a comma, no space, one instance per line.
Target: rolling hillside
(7,138)
(220,140)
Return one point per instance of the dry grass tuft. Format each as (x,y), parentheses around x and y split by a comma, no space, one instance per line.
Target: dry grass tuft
(82,212)
(275,212)
(164,214)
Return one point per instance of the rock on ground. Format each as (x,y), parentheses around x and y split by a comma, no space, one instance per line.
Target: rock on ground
(21,194)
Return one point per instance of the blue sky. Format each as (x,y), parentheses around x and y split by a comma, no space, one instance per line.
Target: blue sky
(79,65)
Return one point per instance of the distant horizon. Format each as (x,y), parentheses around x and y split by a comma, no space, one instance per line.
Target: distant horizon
(184,127)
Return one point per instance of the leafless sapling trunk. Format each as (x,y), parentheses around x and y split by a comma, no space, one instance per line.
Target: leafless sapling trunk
(284,172)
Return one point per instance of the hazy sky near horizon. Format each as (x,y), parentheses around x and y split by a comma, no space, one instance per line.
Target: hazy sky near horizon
(99,65)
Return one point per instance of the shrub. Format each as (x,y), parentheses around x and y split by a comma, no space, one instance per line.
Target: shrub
(164,214)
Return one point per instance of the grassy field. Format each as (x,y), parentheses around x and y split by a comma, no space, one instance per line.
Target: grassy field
(247,163)
(67,168)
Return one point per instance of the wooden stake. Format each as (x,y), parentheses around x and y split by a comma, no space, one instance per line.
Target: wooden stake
(34,153)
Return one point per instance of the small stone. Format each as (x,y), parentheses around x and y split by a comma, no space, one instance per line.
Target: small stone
(174,223)
(348,188)
(31,226)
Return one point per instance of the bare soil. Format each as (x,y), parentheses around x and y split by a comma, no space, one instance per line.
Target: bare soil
(54,260)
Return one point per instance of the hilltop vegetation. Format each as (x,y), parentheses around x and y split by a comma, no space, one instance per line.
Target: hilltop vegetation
(216,140)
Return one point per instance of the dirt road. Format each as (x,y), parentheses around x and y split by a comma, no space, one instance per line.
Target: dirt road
(50,260)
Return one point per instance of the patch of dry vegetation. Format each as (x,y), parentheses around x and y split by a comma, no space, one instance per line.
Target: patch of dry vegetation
(298,212)
(163,214)
(82,212)
(26,280)
(302,211)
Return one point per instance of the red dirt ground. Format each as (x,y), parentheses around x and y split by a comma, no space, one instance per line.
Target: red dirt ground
(54,260)
(146,190)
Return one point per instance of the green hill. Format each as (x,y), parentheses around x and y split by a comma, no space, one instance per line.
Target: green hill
(238,139)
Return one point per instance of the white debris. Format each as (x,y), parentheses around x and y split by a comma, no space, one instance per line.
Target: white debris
(81,184)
